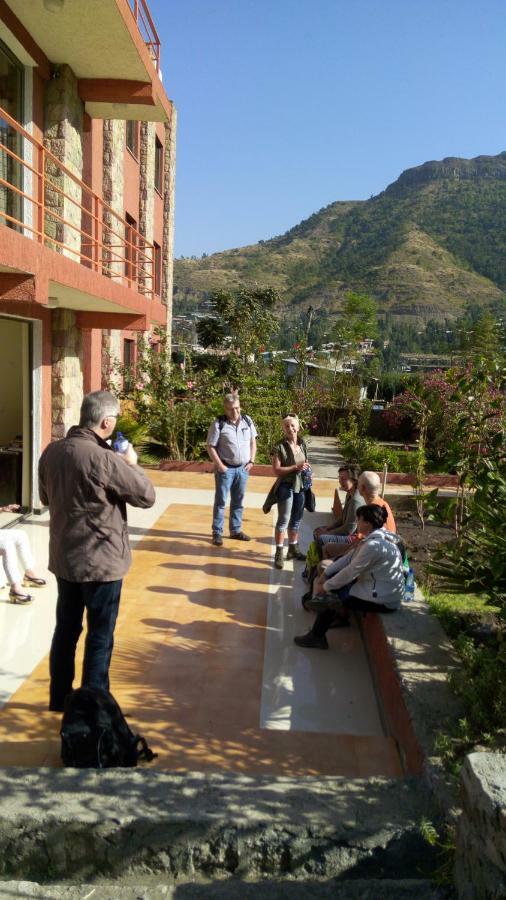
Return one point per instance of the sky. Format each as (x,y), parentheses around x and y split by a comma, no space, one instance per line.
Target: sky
(285,106)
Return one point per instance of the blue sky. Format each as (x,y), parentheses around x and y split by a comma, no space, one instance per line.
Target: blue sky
(287,105)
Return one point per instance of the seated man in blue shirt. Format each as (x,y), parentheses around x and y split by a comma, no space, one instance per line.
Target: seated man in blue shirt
(231,445)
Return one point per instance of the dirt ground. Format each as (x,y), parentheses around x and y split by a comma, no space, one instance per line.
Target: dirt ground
(420,542)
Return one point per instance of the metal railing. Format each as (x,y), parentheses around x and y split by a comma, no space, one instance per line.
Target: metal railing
(43,199)
(147,29)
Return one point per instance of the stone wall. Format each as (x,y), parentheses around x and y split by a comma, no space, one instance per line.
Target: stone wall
(169,176)
(63,136)
(111,355)
(113,194)
(66,372)
(480,868)
(146,199)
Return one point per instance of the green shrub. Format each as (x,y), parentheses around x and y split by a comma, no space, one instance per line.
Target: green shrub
(476,560)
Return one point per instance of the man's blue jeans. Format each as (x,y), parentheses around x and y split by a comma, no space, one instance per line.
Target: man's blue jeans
(100,599)
(232,482)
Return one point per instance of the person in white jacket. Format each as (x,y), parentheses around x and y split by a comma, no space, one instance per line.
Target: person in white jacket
(368,579)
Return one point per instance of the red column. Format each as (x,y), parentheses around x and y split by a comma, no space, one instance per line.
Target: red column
(92,359)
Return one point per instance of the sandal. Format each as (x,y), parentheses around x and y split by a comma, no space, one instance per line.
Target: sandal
(22,599)
(33,581)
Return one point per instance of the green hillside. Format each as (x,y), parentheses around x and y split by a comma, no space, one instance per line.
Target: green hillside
(430,243)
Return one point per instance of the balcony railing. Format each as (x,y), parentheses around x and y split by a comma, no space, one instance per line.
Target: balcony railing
(43,199)
(147,29)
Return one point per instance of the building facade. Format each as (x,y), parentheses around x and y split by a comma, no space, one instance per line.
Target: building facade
(87,168)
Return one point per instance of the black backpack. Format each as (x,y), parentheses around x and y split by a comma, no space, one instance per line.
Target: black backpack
(95,734)
(222,419)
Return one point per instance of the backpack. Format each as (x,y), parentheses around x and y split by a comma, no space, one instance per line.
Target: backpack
(222,419)
(95,734)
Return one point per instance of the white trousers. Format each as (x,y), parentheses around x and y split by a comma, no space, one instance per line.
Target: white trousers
(15,546)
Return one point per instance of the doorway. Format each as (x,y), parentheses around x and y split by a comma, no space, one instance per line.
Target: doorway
(15,414)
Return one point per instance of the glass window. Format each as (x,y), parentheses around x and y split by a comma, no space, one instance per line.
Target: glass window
(11,100)
(158,165)
(128,363)
(130,248)
(132,138)
(157,251)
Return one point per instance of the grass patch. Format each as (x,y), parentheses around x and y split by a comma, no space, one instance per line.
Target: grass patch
(454,610)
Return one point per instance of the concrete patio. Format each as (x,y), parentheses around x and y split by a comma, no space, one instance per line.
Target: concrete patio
(204,663)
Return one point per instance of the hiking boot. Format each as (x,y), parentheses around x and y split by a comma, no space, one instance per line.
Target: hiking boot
(295,553)
(279,559)
(312,641)
(240,536)
(217,540)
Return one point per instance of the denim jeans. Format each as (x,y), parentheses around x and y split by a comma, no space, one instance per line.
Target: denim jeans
(290,507)
(100,599)
(232,482)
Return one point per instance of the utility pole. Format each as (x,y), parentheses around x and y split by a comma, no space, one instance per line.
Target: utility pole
(304,378)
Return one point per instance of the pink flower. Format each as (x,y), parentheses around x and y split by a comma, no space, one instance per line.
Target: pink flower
(190,385)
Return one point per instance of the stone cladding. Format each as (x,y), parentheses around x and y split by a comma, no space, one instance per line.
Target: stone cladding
(66,372)
(146,195)
(169,177)
(63,130)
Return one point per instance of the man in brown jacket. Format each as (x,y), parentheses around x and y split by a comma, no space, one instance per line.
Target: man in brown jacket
(87,486)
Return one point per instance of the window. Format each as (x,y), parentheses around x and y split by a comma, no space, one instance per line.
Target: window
(132,138)
(158,165)
(128,363)
(157,258)
(11,97)
(130,248)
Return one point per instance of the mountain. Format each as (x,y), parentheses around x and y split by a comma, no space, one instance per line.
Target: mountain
(428,244)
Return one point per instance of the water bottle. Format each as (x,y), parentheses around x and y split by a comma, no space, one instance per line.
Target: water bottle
(409,586)
(120,443)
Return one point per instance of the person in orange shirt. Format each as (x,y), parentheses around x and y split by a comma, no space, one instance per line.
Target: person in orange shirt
(369,484)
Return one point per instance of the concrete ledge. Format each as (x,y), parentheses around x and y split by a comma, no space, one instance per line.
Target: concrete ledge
(206,468)
(235,889)
(80,824)
(412,657)
(169,465)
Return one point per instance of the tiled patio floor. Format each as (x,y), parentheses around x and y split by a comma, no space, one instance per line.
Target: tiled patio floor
(204,663)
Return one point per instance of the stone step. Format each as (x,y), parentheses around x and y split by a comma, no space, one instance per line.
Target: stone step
(371,889)
(82,825)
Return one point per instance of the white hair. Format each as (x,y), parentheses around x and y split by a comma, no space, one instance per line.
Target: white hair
(231,398)
(291,416)
(371,482)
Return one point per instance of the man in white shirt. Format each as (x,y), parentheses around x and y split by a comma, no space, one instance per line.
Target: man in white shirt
(231,445)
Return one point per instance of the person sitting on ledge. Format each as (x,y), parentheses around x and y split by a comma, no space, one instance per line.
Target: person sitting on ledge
(345,523)
(369,578)
(369,484)
(14,542)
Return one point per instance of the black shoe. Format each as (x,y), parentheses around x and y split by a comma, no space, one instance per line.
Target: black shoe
(279,559)
(310,640)
(305,599)
(295,553)
(240,536)
(217,540)
(55,707)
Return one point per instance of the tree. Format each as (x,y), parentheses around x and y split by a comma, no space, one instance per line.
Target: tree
(241,321)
